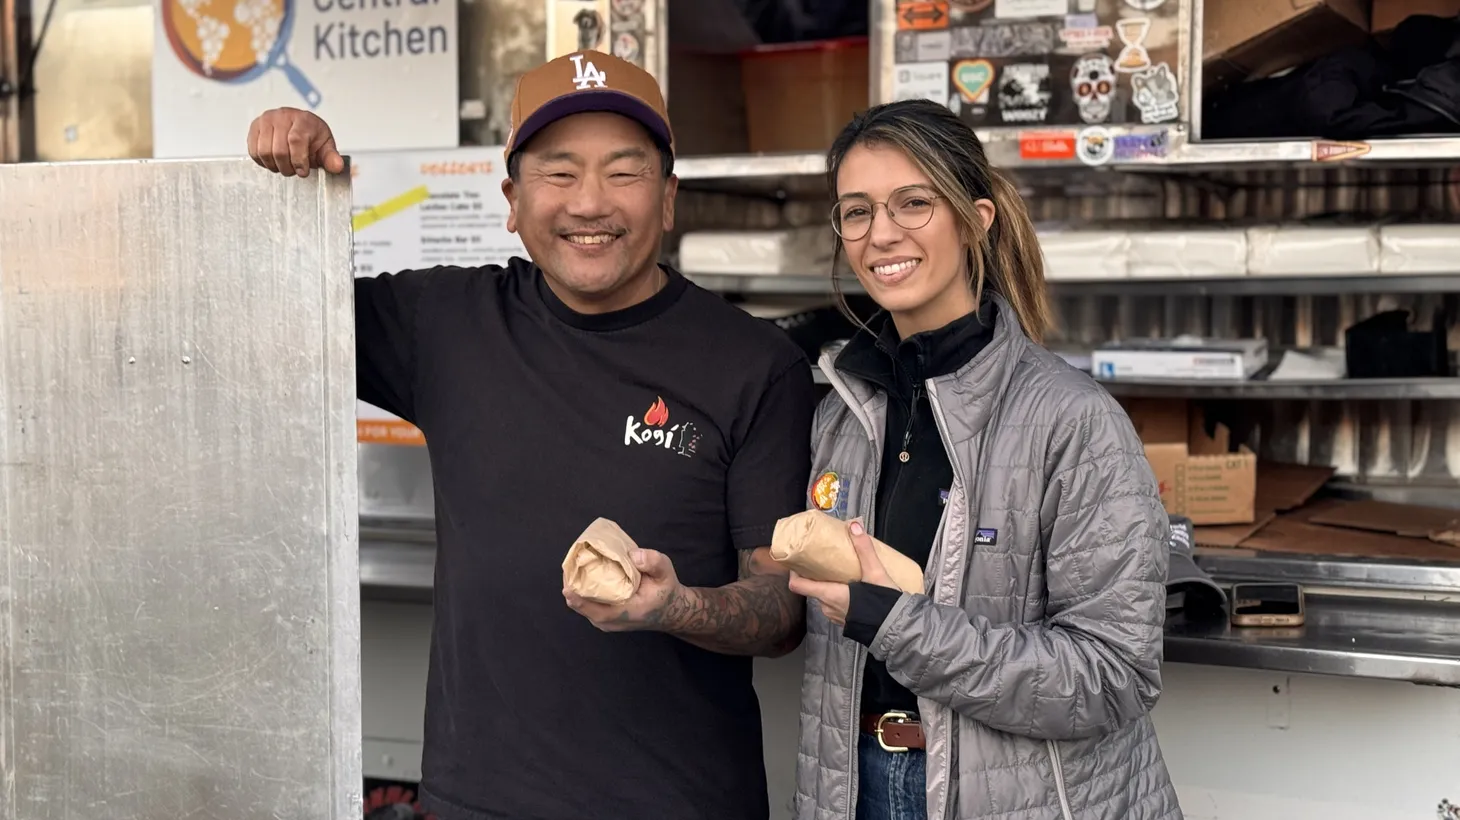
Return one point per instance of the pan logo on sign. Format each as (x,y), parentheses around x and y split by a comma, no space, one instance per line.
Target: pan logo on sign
(235,41)
(239,41)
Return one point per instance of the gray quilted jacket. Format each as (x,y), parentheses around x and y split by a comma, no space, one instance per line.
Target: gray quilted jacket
(1035,651)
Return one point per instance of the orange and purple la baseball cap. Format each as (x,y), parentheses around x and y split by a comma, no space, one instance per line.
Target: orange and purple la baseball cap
(587,81)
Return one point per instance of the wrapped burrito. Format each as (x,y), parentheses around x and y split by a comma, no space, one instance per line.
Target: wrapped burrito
(818,546)
(598,566)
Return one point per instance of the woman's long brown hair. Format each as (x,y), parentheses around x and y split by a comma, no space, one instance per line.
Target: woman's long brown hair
(1006,257)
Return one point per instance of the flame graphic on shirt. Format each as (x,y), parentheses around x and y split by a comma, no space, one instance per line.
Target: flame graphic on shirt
(658,413)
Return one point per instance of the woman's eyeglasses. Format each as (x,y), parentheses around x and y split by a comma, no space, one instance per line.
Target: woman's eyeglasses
(909,209)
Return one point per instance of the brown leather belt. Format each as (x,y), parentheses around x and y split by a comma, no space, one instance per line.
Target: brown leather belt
(896,731)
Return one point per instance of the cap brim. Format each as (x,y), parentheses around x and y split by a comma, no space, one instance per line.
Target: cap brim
(579,102)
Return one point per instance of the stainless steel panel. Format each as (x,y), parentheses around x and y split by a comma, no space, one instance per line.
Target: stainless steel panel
(1414,641)
(179,577)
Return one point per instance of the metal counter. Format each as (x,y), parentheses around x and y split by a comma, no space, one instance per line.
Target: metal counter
(1405,639)
(1391,639)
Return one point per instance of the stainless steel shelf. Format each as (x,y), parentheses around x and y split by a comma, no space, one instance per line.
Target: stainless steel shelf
(1361,574)
(741,166)
(779,285)
(1237,286)
(1341,390)
(1242,154)
(1404,640)
(1169,148)
(1345,390)
(1262,286)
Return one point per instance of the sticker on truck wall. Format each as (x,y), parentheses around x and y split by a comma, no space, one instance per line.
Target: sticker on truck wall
(1093,82)
(1024,93)
(1095,145)
(1154,92)
(1132,32)
(1330,151)
(923,15)
(1047,145)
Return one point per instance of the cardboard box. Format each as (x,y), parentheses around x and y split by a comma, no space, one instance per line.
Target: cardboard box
(1255,38)
(1389,13)
(1201,477)
(1370,530)
(1281,488)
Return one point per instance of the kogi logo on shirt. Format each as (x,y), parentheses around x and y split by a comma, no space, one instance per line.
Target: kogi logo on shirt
(653,430)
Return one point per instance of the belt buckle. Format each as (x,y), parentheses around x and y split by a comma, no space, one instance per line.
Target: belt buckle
(891,717)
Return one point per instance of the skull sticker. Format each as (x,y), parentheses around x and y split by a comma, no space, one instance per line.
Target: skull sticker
(1093,81)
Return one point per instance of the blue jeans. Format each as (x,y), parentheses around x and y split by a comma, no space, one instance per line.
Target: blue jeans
(891,785)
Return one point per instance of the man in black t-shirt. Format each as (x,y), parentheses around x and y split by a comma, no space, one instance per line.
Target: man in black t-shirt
(589,382)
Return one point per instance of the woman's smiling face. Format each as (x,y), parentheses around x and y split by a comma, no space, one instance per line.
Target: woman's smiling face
(902,239)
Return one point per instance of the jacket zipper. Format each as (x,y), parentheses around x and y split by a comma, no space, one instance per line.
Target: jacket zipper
(971,491)
(912,414)
(1059,779)
(902,457)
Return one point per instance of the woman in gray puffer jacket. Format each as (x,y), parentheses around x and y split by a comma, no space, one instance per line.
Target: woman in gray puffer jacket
(1018,683)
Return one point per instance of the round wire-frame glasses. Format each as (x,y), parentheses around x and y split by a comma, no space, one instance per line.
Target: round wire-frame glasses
(909,208)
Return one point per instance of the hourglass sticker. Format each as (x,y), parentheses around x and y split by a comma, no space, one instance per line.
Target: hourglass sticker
(1132,31)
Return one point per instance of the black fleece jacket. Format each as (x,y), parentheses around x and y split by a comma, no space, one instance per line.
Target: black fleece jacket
(911,490)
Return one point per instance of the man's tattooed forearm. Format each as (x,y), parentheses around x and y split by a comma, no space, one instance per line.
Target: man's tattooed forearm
(757,615)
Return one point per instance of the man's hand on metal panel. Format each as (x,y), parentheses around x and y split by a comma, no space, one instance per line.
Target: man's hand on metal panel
(291,141)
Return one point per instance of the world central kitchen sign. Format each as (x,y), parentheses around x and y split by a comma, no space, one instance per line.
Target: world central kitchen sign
(382,73)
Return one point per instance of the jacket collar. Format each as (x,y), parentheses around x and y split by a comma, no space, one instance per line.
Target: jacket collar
(965,400)
(878,355)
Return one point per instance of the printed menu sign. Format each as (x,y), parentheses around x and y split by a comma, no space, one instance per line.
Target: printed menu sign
(423,208)
(1035,63)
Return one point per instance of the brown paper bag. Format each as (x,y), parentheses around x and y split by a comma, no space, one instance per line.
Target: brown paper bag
(598,566)
(819,547)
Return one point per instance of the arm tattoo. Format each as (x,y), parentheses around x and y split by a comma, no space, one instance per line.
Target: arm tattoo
(756,615)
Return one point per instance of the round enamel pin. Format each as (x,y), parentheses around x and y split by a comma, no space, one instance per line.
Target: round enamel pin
(826,490)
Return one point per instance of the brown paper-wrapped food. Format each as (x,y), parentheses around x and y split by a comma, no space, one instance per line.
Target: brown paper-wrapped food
(598,566)
(819,547)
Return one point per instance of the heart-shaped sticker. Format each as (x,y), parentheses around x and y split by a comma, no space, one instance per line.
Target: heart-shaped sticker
(973,78)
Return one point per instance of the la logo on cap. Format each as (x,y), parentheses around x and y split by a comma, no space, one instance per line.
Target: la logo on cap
(587,75)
